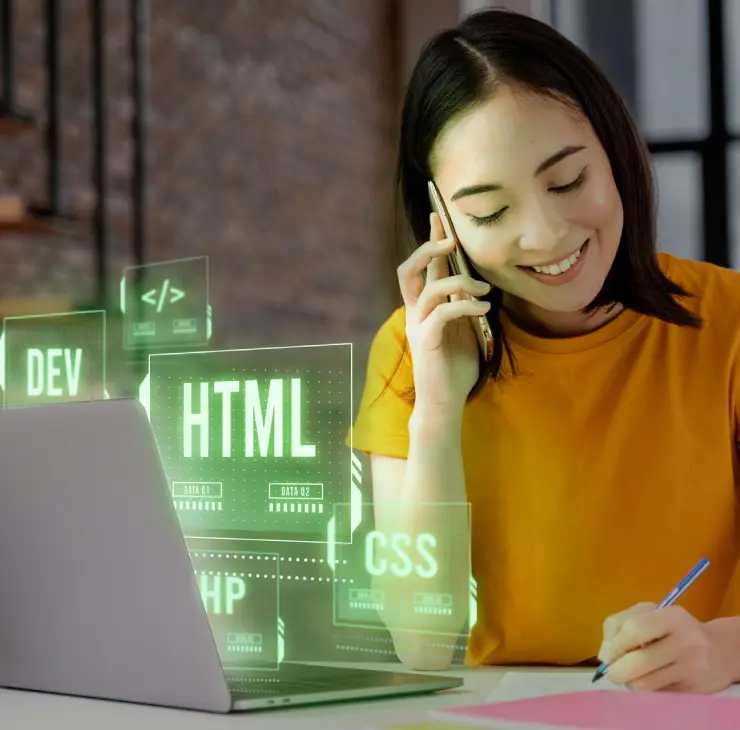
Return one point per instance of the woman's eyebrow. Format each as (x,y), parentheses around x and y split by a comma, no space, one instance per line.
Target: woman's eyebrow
(491,187)
(557,157)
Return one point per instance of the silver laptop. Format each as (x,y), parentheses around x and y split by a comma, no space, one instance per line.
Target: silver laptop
(98,593)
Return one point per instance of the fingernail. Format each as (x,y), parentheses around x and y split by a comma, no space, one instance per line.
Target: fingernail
(605,653)
(483,286)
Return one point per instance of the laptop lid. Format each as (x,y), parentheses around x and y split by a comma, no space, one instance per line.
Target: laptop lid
(99,598)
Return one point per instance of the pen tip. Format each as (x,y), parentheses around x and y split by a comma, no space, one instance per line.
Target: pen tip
(596,677)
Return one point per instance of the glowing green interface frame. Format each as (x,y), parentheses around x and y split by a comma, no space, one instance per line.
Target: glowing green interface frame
(53,358)
(241,594)
(166,304)
(253,440)
(402,557)
(253,445)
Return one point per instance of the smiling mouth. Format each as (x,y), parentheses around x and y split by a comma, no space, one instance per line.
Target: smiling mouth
(561,266)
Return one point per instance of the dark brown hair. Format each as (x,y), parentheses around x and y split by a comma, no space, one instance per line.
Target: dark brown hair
(459,69)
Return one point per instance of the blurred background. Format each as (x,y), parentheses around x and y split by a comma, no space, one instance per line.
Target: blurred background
(261,134)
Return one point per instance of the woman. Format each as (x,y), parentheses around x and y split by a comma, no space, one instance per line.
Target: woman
(598,449)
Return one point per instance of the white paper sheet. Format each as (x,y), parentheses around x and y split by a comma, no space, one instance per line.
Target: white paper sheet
(517,685)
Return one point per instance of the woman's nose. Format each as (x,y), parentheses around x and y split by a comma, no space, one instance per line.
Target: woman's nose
(543,229)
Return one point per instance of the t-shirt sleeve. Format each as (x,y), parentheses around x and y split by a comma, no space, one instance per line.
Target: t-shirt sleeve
(734,368)
(735,394)
(381,426)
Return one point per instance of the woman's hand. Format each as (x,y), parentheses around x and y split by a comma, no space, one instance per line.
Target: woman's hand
(666,650)
(441,338)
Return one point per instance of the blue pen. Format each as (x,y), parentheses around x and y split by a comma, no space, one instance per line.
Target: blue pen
(669,600)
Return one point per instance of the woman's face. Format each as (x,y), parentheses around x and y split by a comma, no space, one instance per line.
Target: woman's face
(528,184)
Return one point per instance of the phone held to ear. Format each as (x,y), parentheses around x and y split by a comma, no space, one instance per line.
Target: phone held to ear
(459,264)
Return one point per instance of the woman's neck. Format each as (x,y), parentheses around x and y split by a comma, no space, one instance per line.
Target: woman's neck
(543,323)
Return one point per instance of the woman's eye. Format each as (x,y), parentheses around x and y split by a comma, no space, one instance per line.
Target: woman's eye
(570,187)
(560,190)
(489,219)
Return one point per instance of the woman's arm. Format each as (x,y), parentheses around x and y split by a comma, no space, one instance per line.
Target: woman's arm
(433,473)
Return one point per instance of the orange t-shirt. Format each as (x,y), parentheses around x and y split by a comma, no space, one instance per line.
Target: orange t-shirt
(598,476)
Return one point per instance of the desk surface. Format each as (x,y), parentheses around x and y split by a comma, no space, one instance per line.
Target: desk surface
(31,710)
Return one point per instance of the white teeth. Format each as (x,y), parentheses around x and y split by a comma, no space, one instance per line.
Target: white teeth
(561,267)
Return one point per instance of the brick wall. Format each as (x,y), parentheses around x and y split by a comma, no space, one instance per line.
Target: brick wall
(270,148)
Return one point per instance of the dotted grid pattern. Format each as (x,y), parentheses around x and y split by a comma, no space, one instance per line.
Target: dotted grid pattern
(296,507)
(246,510)
(67,332)
(244,643)
(436,610)
(366,650)
(267,573)
(207,505)
(364,599)
(379,644)
(439,604)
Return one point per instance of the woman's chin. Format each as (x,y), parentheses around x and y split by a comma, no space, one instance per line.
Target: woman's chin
(569,300)
(571,305)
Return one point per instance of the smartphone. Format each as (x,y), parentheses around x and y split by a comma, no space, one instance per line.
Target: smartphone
(459,264)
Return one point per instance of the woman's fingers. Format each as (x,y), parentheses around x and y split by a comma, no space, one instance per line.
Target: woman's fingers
(455,288)
(410,272)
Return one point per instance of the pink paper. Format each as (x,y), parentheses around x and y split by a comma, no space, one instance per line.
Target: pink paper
(605,710)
